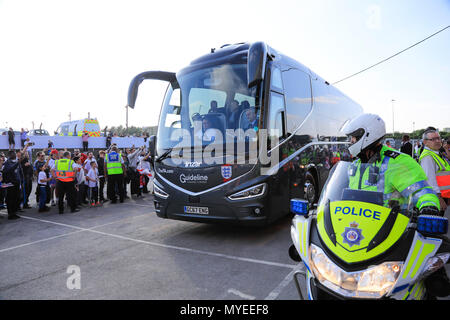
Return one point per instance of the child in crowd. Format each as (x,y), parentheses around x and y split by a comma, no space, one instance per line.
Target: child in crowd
(42,182)
(92,178)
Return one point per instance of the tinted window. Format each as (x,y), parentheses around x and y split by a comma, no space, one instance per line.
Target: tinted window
(276,116)
(276,78)
(297,89)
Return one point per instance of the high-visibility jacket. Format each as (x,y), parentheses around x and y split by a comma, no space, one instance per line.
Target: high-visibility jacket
(113,163)
(64,170)
(398,177)
(442,174)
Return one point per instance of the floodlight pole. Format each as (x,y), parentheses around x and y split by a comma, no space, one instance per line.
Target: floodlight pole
(393,131)
(126,121)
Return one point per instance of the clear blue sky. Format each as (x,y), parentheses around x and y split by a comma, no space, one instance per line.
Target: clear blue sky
(63,56)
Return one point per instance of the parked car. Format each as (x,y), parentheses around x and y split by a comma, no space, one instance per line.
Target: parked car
(4,132)
(38,132)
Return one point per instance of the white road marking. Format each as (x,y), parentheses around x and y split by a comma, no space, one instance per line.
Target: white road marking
(276,292)
(38,241)
(240,294)
(61,235)
(221,255)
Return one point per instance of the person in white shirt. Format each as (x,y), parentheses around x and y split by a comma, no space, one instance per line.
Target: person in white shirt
(87,162)
(145,171)
(52,182)
(92,178)
(42,182)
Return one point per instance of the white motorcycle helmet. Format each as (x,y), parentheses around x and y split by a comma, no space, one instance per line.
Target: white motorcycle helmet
(367,128)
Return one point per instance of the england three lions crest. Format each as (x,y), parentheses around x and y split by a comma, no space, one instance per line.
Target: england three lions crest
(226,172)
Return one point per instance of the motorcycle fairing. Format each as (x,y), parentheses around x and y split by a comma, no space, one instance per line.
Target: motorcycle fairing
(422,248)
(301,234)
(351,229)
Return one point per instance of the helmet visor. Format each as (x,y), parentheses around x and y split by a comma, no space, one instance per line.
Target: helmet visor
(356,135)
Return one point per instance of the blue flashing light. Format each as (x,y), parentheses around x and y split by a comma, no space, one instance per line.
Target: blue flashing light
(299,206)
(432,224)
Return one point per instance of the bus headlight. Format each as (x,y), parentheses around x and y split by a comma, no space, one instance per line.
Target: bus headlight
(252,192)
(373,282)
(160,193)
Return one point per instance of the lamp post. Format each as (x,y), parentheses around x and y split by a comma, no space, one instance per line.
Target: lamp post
(126,120)
(393,131)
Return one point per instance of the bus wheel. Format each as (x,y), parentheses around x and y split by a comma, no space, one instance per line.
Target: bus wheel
(310,189)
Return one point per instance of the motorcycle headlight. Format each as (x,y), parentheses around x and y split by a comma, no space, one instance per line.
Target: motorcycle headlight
(373,282)
(248,193)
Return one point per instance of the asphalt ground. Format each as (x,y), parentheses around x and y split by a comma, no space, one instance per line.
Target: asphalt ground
(124,251)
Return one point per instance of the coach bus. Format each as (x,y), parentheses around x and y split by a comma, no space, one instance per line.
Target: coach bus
(235,91)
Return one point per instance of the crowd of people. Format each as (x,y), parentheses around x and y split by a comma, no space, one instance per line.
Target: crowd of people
(78,178)
(433,154)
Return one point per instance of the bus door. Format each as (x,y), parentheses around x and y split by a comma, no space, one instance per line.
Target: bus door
(276,128)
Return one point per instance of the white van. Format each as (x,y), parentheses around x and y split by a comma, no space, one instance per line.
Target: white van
(78,127)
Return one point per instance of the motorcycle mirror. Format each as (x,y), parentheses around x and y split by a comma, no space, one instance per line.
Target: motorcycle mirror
(293,254)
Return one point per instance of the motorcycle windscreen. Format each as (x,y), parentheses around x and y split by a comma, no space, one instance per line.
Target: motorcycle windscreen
(356,225)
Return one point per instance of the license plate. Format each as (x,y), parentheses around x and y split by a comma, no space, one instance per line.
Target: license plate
(196,210)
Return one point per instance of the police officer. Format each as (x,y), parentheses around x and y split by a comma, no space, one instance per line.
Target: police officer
(435,166)
(366,133)
(65,182)
(114,172)
(395,174)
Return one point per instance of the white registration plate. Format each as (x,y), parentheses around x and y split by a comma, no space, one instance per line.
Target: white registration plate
(196,210)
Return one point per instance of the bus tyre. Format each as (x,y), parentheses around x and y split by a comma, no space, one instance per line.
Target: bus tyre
(310,189)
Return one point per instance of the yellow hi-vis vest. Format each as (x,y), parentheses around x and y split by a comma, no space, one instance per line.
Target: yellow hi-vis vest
(113,163)
(443,173)
(64,170)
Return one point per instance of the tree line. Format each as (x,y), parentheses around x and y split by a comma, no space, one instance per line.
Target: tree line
(122,131)
(416,134)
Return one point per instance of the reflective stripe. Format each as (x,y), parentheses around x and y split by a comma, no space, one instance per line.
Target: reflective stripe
(414,187)
(114,163)
(412,259)
(443,181)
(421,193)
(383,168)
(427,248)
(304,238)
(63,170)
(442,164)
(428,202)
(300,237)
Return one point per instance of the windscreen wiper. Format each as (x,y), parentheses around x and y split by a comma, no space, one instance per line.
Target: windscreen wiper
(164,155)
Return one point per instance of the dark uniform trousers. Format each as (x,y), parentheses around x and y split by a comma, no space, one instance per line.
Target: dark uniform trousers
(13,200)
(101,188)
(113,181)
(66,188)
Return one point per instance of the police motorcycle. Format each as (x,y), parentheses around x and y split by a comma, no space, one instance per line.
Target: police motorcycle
(359,244)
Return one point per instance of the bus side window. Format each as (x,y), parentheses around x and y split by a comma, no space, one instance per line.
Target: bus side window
(276,115)
(297,88)
(276,82)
